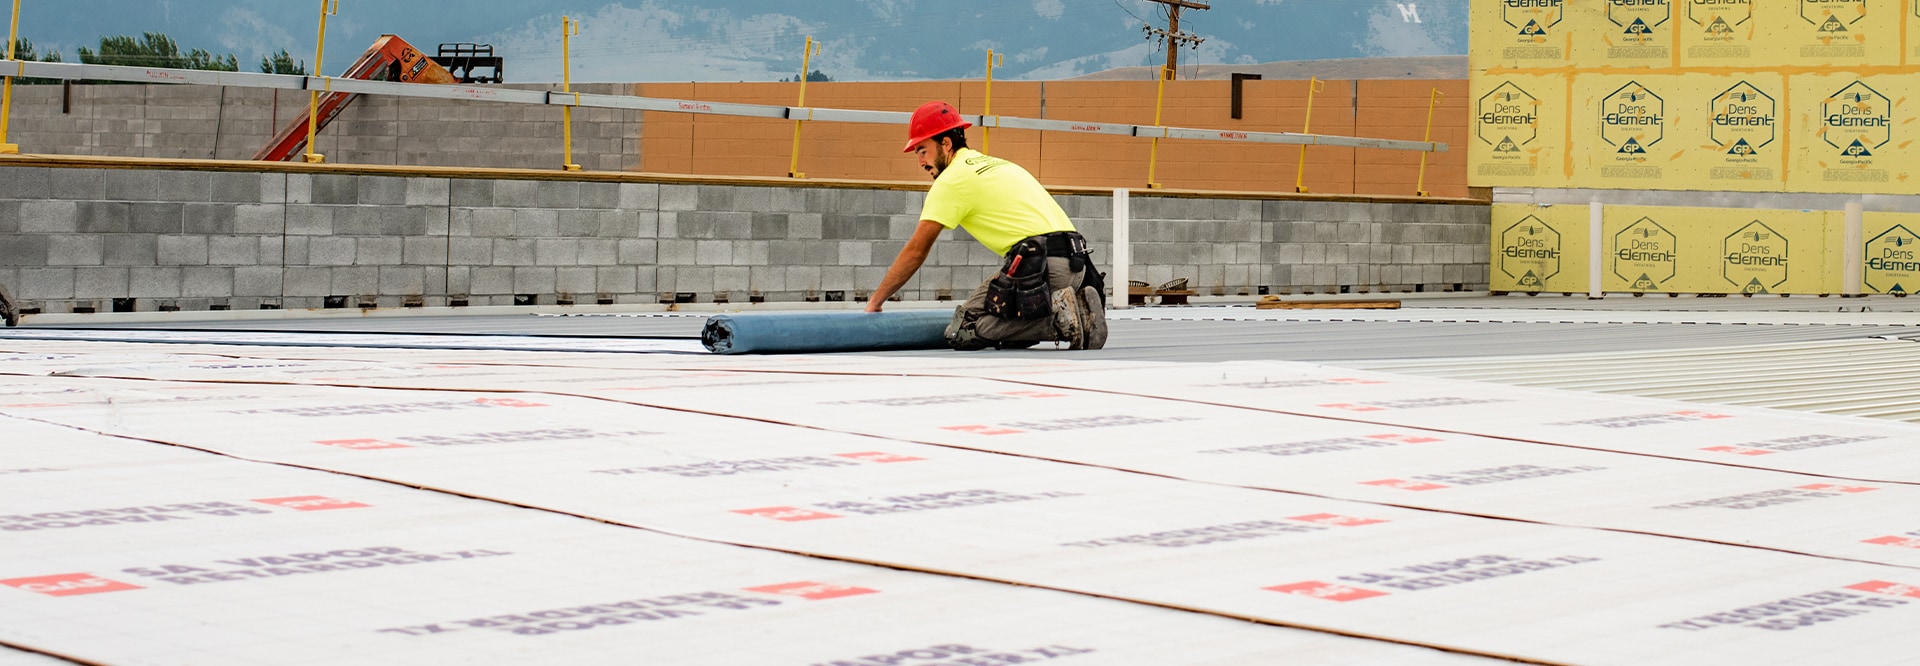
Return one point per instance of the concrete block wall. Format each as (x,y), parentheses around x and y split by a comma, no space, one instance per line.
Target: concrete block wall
(207,122)
(75,238)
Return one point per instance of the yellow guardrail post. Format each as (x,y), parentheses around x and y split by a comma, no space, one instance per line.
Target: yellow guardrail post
(1314,87)
(1420,186)
(986,131)
(1153,157)
(806,63)
(327,8)
(6,98)
(568,28)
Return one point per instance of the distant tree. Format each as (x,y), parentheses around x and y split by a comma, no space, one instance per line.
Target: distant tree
(23,50)
(155,50)
(281,63)
(815,75)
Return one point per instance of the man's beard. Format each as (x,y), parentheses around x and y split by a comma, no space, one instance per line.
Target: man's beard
(940,163)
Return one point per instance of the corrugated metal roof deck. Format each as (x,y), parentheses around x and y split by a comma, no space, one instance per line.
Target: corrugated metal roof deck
(1840,356)
(1873,377)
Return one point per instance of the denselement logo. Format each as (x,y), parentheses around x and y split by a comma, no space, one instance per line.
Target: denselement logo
(1633,119)
(1530,253)
(1755,258)
(1744,120)
(1858,119)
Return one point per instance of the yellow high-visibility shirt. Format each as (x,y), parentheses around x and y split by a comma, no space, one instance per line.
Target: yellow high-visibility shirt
(996,201)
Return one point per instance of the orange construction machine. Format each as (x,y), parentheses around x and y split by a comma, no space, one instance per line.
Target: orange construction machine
(390,59)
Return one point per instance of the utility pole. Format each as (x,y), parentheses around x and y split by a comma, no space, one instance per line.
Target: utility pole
(1172,37)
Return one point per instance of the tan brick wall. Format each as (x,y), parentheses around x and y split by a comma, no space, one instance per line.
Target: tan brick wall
(712,145)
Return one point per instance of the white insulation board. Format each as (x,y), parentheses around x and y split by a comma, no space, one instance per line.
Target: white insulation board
(1232,490)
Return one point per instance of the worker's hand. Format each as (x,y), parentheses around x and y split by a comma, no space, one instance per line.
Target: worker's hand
(873,306)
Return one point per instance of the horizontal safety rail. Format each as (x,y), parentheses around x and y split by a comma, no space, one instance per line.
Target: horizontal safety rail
(77,71)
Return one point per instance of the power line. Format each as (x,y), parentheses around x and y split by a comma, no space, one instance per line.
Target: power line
(1172,37)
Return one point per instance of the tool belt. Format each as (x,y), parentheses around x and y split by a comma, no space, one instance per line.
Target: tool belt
(1020,290)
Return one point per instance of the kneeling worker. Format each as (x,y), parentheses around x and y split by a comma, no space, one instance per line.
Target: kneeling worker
(1046,289)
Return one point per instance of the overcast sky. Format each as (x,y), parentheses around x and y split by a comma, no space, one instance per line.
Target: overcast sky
(762,40)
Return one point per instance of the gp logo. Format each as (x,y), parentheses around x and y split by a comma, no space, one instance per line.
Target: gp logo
(68,585)
(312,503)
(812,591)
(1327,591)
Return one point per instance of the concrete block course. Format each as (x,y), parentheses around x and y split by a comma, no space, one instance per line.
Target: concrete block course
(331,251)
(45,284)
(377,251)
(181,250)
(300,237)
(155,282)
(207,282)
(239,187)
(44,217)
(27,183)
(102,280)
(470,193)
(355,281)
(582,283)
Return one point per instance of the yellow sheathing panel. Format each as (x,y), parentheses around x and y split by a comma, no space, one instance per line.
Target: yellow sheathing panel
(1852,134)
(1625,121)
(1539,248)
(1829,33)
(1511,34)
(1719,251)
(1718,33)
(1713,95)
(1892,253)
(1520,132)
(1627,35)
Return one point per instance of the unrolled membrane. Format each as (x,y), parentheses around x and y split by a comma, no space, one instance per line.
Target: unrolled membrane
(802,332)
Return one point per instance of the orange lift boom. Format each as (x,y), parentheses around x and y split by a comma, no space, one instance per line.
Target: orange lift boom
(389,59)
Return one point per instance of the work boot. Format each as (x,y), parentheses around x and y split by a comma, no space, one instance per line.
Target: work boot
(1066,317)
(1093,319)
(960,333)
(9,314)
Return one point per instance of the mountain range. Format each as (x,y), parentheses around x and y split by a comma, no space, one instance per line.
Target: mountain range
(763,40)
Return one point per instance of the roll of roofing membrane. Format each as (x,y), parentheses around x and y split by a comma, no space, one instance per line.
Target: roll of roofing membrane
(803,332)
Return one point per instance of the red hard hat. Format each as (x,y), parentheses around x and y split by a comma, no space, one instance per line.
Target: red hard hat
(930,120)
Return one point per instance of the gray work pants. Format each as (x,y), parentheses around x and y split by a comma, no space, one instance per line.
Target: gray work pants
(973,328)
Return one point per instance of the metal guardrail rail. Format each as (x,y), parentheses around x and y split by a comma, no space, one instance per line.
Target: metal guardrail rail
(78,71)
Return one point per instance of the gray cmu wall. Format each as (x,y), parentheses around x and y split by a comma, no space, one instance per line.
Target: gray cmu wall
(197,240)
(209,122)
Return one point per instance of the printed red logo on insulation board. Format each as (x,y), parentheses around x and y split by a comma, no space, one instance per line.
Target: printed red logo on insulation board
(361,444)
(312,503)
(812,590)
(1884,587)
(1328,591)
(1702,415)
(1738,450)
(1404,484)
(879,457)
(1405,439)
(1903,542)
(508,402)
(983,430)
(1353,407)
(786,513)
(1336,520)
(67,585)
(1828,487)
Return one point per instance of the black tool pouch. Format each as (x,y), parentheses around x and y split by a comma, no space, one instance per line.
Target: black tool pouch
(1020,291)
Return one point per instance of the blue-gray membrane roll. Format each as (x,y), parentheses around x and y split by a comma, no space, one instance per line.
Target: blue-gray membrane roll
(803,332)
